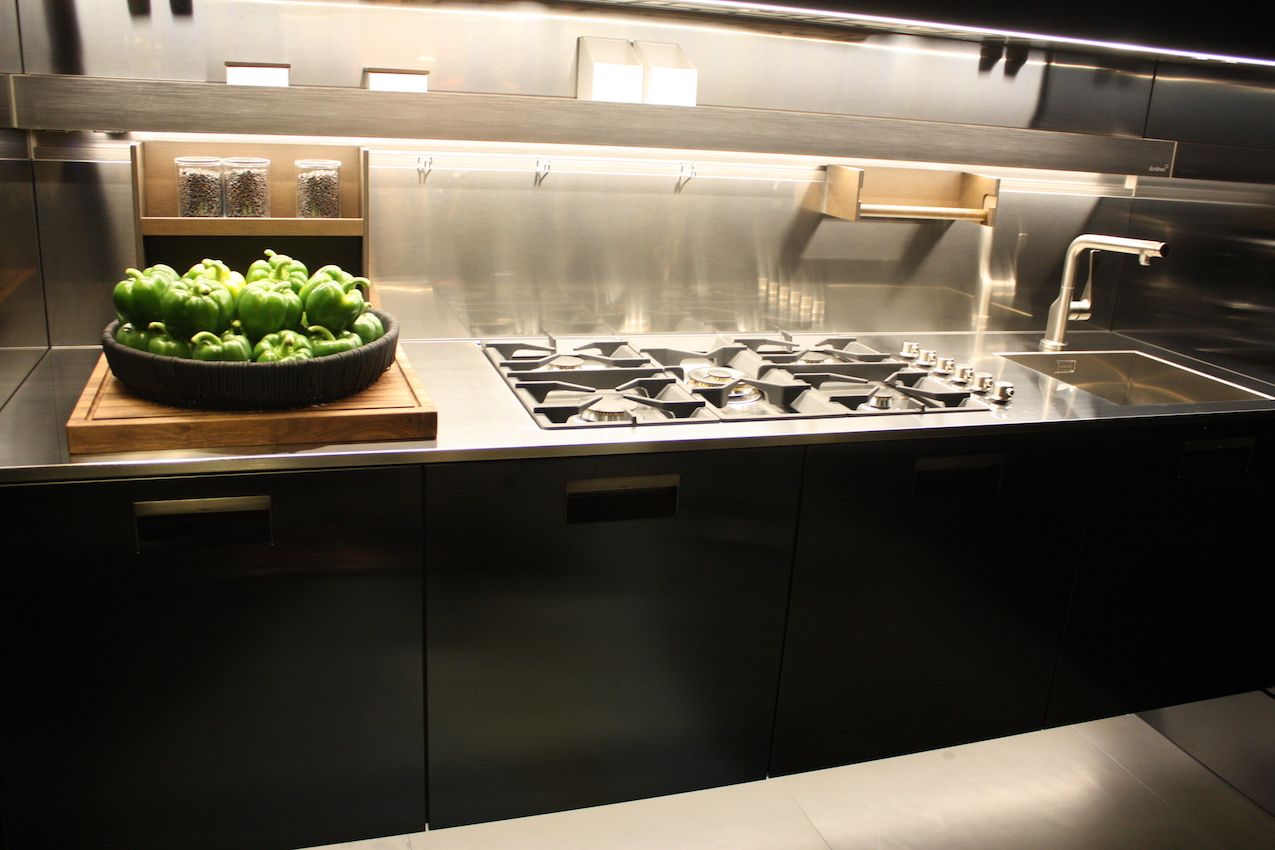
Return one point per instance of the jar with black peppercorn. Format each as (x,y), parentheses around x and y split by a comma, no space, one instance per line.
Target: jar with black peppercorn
(199,189)
(247,180)
(318,188)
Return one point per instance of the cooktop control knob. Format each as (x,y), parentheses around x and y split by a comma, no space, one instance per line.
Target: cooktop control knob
(964,374)
(926,357)
(910,350)
(1002,391)
(944,365)
(982,383)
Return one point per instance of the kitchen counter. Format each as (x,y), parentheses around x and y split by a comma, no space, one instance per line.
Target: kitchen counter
(480,418)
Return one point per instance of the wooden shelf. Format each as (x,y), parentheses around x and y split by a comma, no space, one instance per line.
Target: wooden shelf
(854,194)
(173,226)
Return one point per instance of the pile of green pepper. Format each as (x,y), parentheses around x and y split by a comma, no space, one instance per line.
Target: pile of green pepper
(276,312)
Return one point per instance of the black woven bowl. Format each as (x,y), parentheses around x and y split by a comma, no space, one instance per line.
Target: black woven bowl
(250,386)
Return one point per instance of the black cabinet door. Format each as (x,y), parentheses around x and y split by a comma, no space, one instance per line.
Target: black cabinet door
(602,629)
(929,594)
(1176,591)
(239,671)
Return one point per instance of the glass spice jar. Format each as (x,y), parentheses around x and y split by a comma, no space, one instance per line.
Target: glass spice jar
(318,188)
(199,186)
(247,180)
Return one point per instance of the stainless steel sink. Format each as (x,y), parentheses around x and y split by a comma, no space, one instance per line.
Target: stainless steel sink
(1131,378)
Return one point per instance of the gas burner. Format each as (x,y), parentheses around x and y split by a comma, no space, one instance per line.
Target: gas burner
(564,363)
(815,355)
(717,377)
(608,409)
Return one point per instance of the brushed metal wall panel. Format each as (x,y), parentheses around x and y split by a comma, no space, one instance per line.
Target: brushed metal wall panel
(6,102)
(10,42)
(1212,293)
(84,103)
(86,242)
(487,252)
(530,49)
(1214,104)
(21,288)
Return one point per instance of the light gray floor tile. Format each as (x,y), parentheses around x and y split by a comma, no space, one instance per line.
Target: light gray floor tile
(395,842)
(1052,789)
(752,816)
(1196,793)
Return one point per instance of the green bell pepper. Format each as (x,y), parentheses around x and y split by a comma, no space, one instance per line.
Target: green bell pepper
(137,297)
(229,346)
(197,304)
(268,306)
(281,347)
(336,273)
(368,327)
(278,267)
(323,342)
(164,343)
(331,305)
(218,271)
(129,335)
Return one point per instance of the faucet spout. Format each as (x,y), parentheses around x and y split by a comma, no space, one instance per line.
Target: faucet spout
(1064,307)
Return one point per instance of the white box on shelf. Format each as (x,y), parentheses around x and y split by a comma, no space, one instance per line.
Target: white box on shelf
(608,69)
(395,79)
(257,73)
(669,76)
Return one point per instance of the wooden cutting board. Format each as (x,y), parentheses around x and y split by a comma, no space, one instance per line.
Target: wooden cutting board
(109,418)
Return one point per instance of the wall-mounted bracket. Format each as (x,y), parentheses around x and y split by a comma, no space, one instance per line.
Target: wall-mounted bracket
(908,193)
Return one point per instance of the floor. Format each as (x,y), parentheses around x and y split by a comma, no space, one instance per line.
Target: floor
(1113,784)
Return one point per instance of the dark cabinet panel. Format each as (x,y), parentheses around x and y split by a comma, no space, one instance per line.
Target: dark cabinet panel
(221,662)
(929,594)
(1175,592)
(603,629)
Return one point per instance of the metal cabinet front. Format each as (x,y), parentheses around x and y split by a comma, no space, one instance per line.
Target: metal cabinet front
(930,588)
(215,662)
(603,629)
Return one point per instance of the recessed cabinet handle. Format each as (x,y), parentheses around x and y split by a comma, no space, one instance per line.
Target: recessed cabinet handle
(1211,458)
(620,499)
(940,480)
(196,523)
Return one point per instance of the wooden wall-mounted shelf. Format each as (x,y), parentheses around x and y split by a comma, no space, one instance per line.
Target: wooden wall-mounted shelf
(854,194)
(156,191)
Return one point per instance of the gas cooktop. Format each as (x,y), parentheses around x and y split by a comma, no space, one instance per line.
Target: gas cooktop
(623,382)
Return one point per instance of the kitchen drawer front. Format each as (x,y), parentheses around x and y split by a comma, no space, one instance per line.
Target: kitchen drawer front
(1173,600)
(603,629)
(930,588)
(229,661)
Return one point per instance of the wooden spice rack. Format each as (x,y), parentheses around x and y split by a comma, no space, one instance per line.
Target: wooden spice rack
(155,190)
(854,194)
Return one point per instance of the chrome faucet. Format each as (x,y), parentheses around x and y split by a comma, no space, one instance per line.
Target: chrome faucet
(1064,308)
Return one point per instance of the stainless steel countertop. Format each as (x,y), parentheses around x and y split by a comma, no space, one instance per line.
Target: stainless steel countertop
(479,418)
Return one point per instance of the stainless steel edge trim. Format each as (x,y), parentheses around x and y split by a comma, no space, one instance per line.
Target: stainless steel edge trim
(220,505)
(89,103)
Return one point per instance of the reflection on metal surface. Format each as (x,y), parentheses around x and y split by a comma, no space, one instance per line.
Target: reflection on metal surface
(612,245)
(1131,378)
(1239,104)
(22,322)
(1211,296)
(91,103)
(86,241)
(10,45)
(6,103)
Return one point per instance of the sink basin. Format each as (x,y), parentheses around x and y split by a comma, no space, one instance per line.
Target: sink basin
(1131,377)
